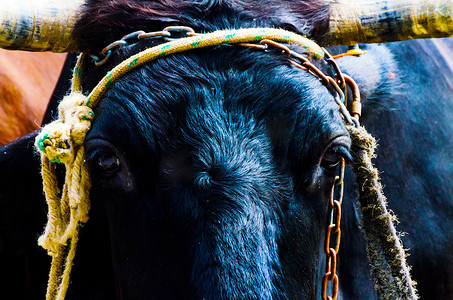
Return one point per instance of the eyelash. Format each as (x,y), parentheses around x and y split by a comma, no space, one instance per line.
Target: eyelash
(109,158)
(338,151)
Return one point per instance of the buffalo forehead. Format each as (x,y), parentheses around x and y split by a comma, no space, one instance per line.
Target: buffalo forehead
(151,106)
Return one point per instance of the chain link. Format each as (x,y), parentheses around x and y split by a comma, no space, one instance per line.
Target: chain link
(331,250)
(175,32)
(340,83)
(169,33)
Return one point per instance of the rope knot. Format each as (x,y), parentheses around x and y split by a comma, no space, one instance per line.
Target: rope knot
(58,140)
(54,142)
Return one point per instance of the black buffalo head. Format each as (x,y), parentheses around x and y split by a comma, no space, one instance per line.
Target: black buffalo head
(211,169)
(213,166)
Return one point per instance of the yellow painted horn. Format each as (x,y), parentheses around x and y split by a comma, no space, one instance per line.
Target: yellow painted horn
(364,21)
(39,25)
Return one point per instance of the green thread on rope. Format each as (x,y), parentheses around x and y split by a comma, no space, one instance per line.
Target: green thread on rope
(133,62)
(41,144)
(260,37)
(88,117)
(78,71)
(56,159)
(162,54)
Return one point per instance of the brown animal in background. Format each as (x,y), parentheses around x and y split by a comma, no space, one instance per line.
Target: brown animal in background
(27,80)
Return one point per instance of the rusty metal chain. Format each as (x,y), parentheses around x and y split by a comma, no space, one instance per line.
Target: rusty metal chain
(331,250)
(337,86)
(176,32)
(334,206)
(136,36)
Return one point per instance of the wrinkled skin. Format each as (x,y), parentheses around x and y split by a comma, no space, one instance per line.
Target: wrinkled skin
(211,172)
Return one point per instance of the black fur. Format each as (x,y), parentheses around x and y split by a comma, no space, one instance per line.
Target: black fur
(226,159)
(207,166)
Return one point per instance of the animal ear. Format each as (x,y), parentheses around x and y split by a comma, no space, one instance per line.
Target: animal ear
(377,81)
(22,217)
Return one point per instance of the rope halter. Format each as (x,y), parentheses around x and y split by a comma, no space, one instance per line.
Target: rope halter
(62,141)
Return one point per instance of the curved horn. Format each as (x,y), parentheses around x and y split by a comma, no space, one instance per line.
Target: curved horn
(355,22)
(39,25)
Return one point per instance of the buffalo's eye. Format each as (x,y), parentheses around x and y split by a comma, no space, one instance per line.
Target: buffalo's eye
(104,162)
(107,164)
(332,156)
